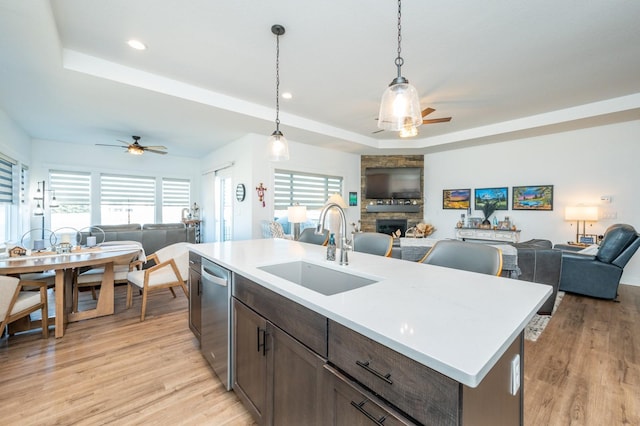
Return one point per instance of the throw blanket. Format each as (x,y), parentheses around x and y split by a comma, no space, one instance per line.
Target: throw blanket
(124,245)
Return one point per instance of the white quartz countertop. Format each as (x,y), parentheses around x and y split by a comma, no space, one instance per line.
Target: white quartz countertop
(456,322)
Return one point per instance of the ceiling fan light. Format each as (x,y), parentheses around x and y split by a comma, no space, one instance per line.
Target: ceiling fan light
(408,132)
(278,147)
(135,150)
(400,107)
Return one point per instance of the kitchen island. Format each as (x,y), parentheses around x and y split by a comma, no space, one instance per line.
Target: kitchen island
(459,326)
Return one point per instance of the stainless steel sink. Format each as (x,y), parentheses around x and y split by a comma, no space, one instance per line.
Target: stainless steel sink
(317,278)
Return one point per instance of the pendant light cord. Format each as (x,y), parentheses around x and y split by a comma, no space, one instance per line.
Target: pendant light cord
(277,82)
(399,61)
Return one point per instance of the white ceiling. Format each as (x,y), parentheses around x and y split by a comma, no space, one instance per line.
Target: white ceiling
(501,69)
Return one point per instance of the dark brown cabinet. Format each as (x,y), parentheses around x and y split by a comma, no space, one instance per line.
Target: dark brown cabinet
(250,366)
(272,370)
(348,404)
(195,294)
(293,366)
(278,378)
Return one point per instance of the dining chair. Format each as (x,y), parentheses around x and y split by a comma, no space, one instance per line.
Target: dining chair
(473,257)
(16,303)
(373,243)
(308,235)
(171,270)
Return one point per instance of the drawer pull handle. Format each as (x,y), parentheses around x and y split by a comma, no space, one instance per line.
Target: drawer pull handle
(379,375)
(360,407)
(262,345)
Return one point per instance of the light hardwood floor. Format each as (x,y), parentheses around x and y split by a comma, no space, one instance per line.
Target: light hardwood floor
(583,370)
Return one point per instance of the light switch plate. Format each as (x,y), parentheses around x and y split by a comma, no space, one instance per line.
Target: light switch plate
(515,374)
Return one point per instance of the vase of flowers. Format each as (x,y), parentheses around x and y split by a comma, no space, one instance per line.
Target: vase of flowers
(488,208)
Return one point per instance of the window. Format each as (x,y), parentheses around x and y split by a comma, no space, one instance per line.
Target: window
(6,179)
(175,198)
(6,196)
(306,189)
(72,191)
(127,199)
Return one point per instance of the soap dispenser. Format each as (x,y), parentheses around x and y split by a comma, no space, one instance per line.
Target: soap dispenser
(331,248)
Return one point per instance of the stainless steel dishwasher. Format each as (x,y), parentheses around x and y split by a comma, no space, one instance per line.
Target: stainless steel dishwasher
(216,319)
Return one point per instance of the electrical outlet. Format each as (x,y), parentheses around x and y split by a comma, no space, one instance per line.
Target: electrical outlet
(515,375)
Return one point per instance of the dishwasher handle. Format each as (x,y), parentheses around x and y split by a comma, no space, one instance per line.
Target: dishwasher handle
(207,275)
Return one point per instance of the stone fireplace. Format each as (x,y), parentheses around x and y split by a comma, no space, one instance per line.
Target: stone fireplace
(410,215)
(389,226)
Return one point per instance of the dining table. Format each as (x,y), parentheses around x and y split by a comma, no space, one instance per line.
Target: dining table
(64,264)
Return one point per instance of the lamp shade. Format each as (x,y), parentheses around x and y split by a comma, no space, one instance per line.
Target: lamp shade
(337,199)
(400,107)
(297,214)
(586,213)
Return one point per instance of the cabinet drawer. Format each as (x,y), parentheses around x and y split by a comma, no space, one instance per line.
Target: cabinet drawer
(419,391)
(307,326)
(348,404)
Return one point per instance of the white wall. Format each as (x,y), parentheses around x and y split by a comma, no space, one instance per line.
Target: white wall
(582,166)
(15,143)
(251,167)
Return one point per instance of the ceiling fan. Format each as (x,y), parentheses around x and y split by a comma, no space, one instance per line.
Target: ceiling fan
(136,149)
(426,112)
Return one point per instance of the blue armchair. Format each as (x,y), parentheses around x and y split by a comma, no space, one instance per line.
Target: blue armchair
(599,275)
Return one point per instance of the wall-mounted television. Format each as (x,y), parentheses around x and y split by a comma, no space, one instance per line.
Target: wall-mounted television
(393,182)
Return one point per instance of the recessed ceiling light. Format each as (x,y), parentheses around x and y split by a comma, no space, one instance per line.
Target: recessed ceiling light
(136,44)
(286,95)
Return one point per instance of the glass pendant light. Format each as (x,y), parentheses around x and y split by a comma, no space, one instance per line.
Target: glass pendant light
(278,146)
(400,105)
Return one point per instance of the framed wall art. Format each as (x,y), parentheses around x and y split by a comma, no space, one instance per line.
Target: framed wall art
(539,197)
(500,196)
(456,199)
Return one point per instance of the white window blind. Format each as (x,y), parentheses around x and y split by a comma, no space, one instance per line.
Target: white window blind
(306,189)
(6,179)
(176,192)
(73,195)
(71,189)
(120,190)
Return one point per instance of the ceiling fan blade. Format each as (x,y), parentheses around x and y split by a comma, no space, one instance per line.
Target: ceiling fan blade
(377,131)
(155,151)
(436,120)
(104,144)
(154,147)
(126,143)
(427,111)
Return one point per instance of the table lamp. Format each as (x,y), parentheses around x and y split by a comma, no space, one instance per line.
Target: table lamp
(296,215)
(581,213)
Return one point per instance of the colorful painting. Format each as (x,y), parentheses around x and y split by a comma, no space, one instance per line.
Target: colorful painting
(500,196)
(456,199)
(532,197)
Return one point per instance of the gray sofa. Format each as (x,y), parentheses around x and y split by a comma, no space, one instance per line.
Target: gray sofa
(540,263)
(152,236)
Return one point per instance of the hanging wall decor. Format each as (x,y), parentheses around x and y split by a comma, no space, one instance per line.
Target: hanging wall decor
(261,190)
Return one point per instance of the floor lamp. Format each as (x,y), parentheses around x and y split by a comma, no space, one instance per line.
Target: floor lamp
(581,213)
